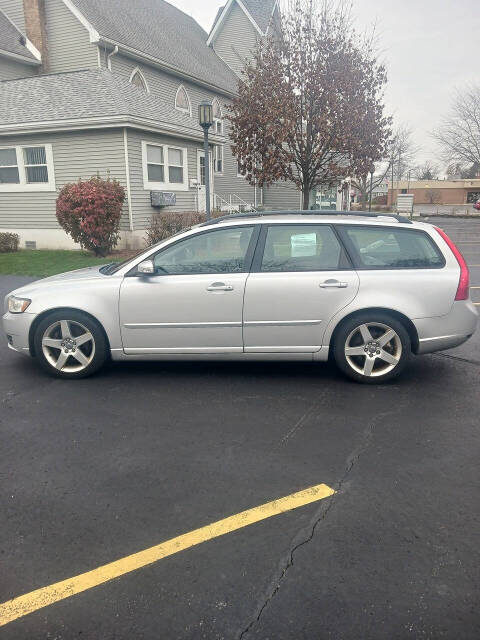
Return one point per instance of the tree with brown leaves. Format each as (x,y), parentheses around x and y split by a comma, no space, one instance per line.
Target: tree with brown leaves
(310,105)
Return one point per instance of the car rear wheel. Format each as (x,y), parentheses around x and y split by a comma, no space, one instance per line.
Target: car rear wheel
(372,348)
(70,344)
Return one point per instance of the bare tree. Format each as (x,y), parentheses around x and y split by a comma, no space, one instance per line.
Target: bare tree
(433,195)
(459,133)
(427,171)
(310,105)
(399,155)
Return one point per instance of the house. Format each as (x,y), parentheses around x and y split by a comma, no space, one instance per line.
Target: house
(112,88)
(438,192)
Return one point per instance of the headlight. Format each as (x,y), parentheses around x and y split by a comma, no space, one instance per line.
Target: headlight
(18,305)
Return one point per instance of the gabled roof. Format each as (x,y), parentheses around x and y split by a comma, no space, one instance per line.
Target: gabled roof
(259,12)
(158,31)
(14,44)
(95,97)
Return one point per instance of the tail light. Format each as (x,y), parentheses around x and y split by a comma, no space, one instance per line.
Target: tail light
(464,283)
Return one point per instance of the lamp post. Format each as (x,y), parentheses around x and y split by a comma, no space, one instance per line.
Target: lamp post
(205,118)
(372,171)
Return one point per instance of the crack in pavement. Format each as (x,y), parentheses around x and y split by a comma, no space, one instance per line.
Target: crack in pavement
(458,358)
(319,515)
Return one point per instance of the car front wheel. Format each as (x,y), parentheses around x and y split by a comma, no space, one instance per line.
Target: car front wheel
(70,344)
(372,348)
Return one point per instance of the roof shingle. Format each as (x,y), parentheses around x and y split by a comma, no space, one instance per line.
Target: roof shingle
(159,30)
(95,93)
(12,40)
(261,11)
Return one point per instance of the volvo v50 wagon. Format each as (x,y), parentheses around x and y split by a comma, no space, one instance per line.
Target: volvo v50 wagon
(367,291)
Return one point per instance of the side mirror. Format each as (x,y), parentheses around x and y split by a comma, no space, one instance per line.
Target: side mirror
(146,268)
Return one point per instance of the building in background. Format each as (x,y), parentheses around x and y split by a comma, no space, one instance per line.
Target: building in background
(112,87)
(438,192)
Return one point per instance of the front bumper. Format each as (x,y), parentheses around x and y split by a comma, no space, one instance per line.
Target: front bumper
(446,332)
(17,327)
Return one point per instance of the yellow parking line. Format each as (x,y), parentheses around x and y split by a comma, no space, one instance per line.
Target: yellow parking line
(40,598)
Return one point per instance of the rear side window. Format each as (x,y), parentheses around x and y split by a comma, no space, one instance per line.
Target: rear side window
(390,248)
(302,248)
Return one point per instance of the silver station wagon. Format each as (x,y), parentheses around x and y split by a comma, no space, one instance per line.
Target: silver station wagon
(366,290)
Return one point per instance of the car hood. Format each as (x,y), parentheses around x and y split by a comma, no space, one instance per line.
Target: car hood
(89,273)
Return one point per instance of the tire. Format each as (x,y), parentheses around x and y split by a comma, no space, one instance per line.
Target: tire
(70,345)
(361,352)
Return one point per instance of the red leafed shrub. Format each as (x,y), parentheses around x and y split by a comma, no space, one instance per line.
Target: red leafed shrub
(90,212)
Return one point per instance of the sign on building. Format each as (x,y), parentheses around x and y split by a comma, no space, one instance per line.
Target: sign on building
(163,198)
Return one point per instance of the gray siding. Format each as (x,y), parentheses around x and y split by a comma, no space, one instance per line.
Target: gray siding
(75,155)
(9,69)
(282,195)
(236,39)
(140,197)
(69,46)
(14,10)
(165,87)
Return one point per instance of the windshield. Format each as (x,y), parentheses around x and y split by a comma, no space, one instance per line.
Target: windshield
(113,267)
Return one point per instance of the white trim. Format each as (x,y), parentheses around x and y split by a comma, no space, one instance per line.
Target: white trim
(275,5)
(224,14)
(93,33)
(127,176)
(189,110)
(166,185)
(140,73)
(23,185)
(19,58)
(99,57)
(106,122)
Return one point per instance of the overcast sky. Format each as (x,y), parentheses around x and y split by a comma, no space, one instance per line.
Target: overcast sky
(430,48)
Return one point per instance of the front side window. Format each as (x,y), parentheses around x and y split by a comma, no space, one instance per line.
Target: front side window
(9,173)
(215,252)
(302,248)
(26,168)
(164,167)
(391,248)
(218,158)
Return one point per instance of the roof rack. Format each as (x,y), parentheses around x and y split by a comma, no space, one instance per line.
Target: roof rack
(261,214)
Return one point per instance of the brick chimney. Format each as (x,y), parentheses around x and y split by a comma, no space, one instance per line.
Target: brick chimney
(36,28)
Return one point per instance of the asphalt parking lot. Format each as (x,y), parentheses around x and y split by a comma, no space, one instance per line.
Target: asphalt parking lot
(96,470)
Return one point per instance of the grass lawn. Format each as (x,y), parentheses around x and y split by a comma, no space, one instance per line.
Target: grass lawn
(43,263)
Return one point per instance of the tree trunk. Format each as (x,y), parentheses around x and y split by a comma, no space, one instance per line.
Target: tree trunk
(306,199)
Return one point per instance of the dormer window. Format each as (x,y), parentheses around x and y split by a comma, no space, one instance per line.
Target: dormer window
(138,80)
(182,101)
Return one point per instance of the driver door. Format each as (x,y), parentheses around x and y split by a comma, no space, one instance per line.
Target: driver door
(193,302)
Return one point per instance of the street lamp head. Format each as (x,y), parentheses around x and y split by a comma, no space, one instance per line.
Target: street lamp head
(205,114)
(372,168)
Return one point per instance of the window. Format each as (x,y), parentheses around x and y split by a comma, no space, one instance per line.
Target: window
(390,248)
(182,101)
(219,251)
(473,196)
(217,118)
(164,167)
(27,168)
(302,248)
(218,158)
(9,173)
(138,79)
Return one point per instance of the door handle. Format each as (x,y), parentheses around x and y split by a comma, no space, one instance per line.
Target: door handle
(220,286)
(333,284)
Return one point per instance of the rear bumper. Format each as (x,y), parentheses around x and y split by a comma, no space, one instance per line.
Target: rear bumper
(17,327)
(446,332)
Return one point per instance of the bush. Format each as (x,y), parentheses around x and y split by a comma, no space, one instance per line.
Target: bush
(90,211)
(165,225)
(9,242)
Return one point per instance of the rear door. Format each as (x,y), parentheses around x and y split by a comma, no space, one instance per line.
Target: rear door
(301,277)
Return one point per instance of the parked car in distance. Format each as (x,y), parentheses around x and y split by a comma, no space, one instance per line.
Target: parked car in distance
(477,205)
(365,289)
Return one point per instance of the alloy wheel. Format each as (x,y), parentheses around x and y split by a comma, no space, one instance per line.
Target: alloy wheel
(373,349)
(68,346)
